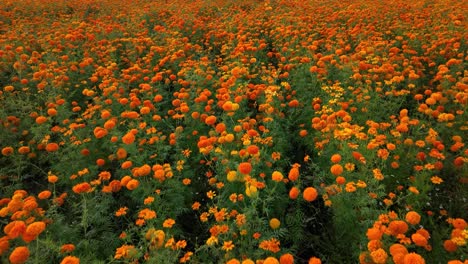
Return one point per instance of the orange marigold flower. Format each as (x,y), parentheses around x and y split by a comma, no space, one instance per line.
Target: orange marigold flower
(397,249)
(450,246)
(228,245)
(4,244)
(125,251)
(293,174)
(336,169)
(335,158)
(379,256)
(19,255)
(310,194)
(70,260)
(52,147)
(82,188)
(419,239)
(294,193)
(277,176)
(286,259)
(168,223)
(15,229)
(44,195)
(132,184)
(233,261)
(413,258)
(412,217)
(67,248)
(252,150)
(315,260)
(397,227)
(34,229)
(210,120)
(128,138)
(24,150)
(374,233)
(272,245)
(121,153)
(6,151)
(459,223)
(271,260)
(245,167)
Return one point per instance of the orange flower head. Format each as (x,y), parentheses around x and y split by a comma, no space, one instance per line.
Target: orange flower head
(286,259)
(336,169)
(293,174)
(294,193)
(245,167)
(19,255)
(34,229)
(310,194)
(277,176)
(70,260)
(412,218)
(413,258)
(271,260)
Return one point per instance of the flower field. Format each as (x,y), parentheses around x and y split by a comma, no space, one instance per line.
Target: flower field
(256,131)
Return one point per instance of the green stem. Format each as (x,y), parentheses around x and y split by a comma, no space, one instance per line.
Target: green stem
(84,219)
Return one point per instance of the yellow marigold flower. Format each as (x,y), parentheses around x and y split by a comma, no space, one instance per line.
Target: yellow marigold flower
(275,223)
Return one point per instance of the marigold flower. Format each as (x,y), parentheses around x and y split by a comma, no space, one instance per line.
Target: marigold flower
(335,158)
(459,223)
(275,223)
(379,256)
(19,255)
(286,259)
(277,176)
(396,249)
(44,195)
(294,193)
(315,260)
(450,246)
(132,184)
(168,223)
(70,260)
(271,260)
(293,174)
(412,218)
(397,227)
(4,244)
(228,245)
(419,240)
(6,151)
(81,188)
(67,248)
(233,261)
(374,233)
(125,251)
(34,229)
(336,169)
(210,120)
(15,229)
(413,258)
(272,245)
(128,138)
(52,147)
(245,167)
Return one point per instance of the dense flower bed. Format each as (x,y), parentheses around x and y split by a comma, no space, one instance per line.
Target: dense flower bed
(233,131)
